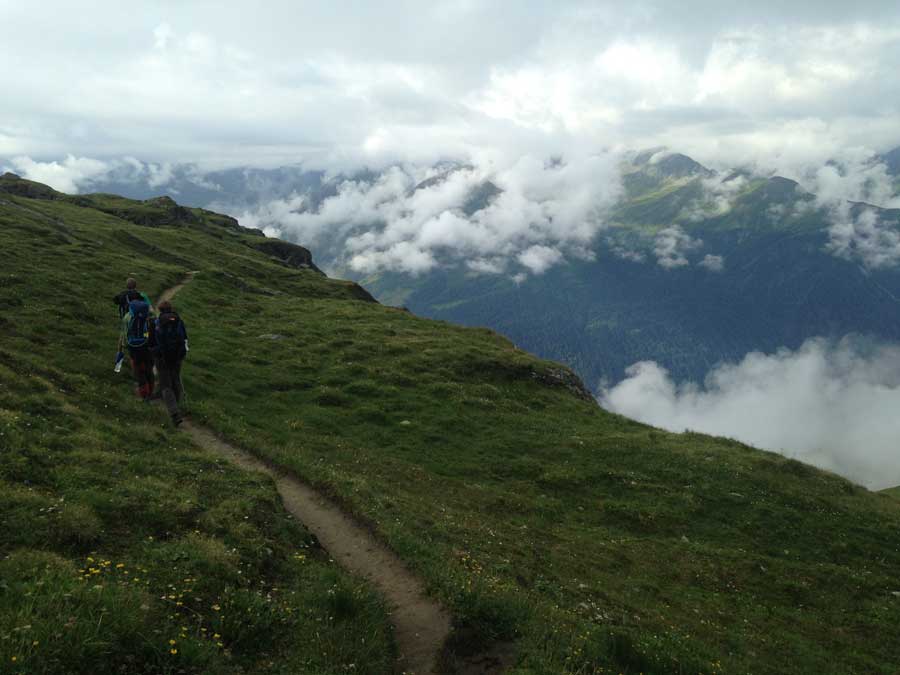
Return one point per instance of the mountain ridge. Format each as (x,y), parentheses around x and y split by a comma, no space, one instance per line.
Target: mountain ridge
(764,238)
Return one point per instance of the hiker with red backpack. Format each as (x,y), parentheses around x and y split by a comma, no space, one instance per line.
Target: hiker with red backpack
(168,342)
(136,312)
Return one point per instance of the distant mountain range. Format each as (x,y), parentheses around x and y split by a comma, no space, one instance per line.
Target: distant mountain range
(695,267)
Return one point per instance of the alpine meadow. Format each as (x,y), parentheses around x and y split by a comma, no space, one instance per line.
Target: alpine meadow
(469,337)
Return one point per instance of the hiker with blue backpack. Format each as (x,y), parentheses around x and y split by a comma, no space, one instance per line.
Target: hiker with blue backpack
(168,343)
(136,312)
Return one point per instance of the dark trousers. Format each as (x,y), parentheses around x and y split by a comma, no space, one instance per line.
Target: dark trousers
(170,384)
(142,367)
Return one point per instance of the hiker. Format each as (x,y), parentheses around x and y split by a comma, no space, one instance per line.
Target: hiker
(134,336)
(130,293)
(169,345)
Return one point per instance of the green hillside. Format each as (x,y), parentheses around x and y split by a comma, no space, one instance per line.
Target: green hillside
(582,541)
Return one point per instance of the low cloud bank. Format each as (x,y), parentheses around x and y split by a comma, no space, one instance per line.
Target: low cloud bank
(66,175)
(672,245)
(522,217)
(866,238)
(74,174)
(833,405)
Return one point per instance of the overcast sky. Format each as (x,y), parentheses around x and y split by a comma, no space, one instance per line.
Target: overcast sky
(350,83)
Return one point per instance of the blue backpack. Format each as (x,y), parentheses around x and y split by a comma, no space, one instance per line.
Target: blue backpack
(138,323)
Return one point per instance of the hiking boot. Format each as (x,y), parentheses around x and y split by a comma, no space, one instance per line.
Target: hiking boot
(177,420)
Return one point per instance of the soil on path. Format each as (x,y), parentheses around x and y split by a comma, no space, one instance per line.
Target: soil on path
(421,624)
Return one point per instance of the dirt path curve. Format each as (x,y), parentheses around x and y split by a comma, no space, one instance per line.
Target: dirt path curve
(421,624)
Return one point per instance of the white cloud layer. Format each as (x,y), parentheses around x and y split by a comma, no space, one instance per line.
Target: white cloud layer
(412,220)
(77,174)
(831,405)
(672,245)
(865,238)
(714,263)
(66,176)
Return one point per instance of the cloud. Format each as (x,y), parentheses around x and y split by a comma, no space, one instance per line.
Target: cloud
(627,254)
(487,265)
(538,259)
(159,174)
(865,238)
(77,174)
(854,174)
(66,176)
(528,212)
(714,263)
(833,405)
(717,196)
(672,245)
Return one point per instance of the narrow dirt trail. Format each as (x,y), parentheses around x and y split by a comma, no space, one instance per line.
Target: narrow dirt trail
(421,624)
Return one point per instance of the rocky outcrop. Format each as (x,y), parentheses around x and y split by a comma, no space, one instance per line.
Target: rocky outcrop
(361,293)
(566,379)
(288,254)
(156,212)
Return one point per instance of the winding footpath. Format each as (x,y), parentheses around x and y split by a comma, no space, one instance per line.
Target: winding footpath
(421,624)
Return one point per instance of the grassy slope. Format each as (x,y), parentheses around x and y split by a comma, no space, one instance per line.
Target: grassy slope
(116,535)
(594,542)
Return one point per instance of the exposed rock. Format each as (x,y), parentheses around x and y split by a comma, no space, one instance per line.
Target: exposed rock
(361,293)
(286,253)
(163,212)
(563,377)
(222,220)
(164,202)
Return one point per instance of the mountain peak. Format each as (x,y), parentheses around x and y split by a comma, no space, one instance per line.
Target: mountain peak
(667,164)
